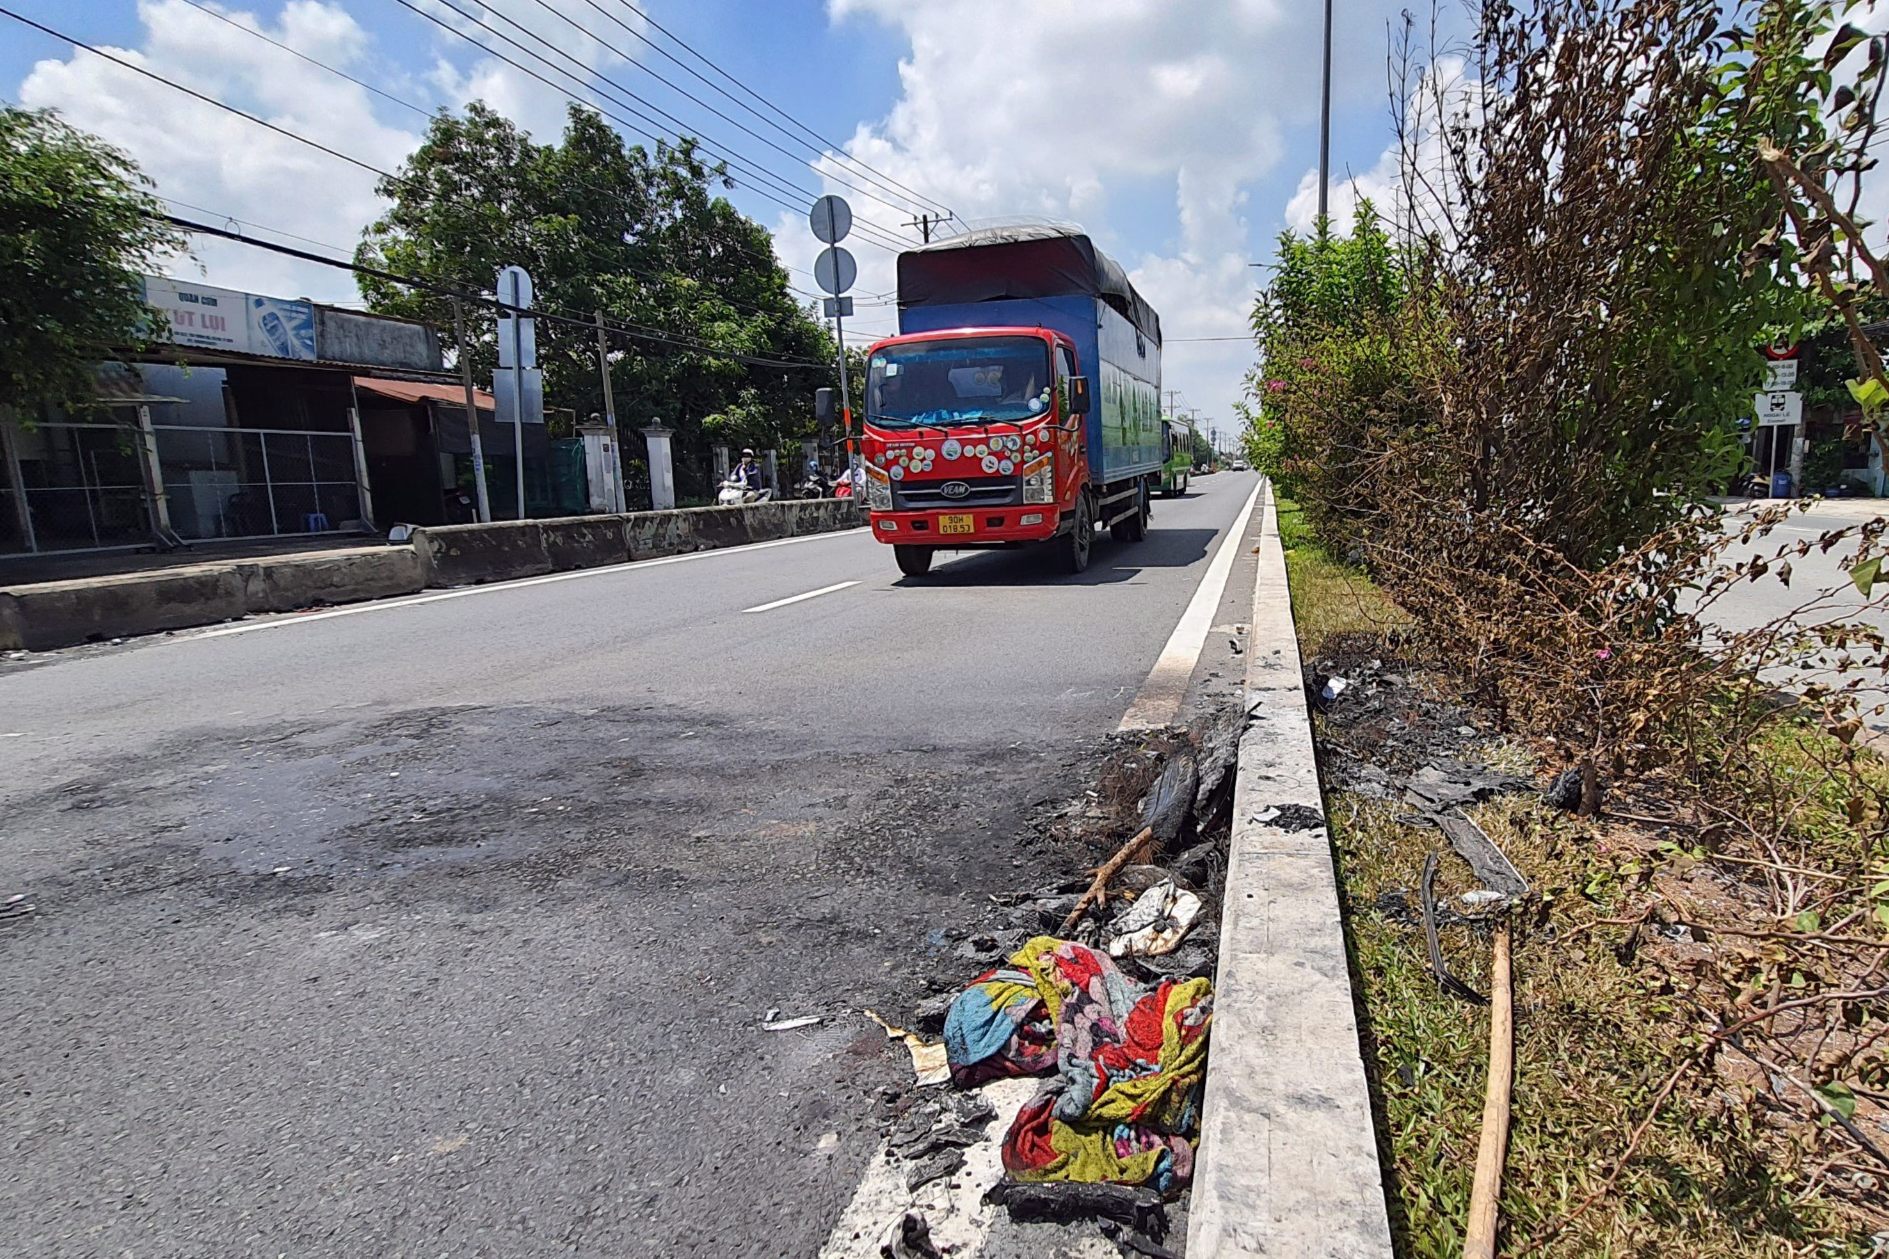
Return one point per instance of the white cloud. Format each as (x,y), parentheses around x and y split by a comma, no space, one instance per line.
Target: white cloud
(1075,110)
(206,157)
(233,169)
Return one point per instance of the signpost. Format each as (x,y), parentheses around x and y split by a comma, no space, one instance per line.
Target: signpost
(835,271)
(1781,407)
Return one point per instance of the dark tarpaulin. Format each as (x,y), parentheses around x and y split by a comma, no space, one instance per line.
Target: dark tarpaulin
(995,264)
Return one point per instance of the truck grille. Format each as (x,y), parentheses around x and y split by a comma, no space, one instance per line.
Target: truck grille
(989,491)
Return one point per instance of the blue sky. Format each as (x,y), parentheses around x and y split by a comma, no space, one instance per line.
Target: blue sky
(1179,132)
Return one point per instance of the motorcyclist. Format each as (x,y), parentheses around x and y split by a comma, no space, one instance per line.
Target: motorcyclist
(748,475)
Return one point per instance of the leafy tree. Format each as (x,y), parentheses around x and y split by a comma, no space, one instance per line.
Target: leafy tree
(77,230)
(604,226)
(1330,306)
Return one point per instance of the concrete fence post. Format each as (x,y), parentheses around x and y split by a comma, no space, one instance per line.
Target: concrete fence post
(771,469)
(662,471)
(722,464)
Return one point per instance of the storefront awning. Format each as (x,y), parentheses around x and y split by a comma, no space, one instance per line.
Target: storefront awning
(414,391)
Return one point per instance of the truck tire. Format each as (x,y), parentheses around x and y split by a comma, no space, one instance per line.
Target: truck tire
(1135,528)
(914,561)
(1173,487)
(1080,540)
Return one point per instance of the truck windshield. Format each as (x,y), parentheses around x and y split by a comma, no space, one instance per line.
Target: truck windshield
(961,380)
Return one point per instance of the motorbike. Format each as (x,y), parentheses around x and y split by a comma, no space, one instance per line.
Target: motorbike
(815,486)
(736,494)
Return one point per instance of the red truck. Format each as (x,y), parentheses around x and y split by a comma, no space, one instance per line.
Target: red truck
(1019,404)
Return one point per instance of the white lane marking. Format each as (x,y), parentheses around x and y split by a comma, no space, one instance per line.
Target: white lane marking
(811,594)
(467,591)
(960,1219)
(1159,700)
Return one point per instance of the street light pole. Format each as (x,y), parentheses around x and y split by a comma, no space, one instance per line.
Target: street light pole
(1324,129)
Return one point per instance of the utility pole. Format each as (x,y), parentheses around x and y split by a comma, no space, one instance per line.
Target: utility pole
(925,222)
(614,472)
(1324,129)
(1172,394)
(472,414)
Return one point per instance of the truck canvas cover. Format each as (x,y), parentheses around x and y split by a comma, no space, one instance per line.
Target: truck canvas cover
(1030,261)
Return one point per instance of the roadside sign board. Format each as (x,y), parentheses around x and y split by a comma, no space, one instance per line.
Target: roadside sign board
(1783,375)
(831,220)
(838,307)
(1779,409)
(834,270)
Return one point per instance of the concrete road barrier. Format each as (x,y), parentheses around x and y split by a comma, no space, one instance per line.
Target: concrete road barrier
(53,614)
(1288,1158)
(47,615)
(283,583)
(585,542)
(465,555)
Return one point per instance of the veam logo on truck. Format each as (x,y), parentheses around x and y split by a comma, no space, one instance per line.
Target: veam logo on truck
(954,489)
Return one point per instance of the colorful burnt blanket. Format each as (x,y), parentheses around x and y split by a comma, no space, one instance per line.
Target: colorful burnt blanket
(1127,1061)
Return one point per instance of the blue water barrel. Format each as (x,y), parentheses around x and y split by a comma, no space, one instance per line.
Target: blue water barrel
(1780,485)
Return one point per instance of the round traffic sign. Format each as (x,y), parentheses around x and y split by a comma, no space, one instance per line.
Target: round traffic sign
(831,220)
(834,270)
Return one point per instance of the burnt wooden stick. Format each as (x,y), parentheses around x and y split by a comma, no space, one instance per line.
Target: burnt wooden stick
(1099,887)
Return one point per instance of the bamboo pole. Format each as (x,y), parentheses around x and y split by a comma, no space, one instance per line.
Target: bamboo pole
(1484,1198)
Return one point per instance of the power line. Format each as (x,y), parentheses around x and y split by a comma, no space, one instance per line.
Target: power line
(192,92)
(872,233)
(336,153)
(743,127)
(825,143)
(360,83)
(556,69)
(820,145)
(632,331)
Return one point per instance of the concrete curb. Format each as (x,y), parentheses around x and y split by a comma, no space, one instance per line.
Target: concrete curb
(48,615)
(1288,1159)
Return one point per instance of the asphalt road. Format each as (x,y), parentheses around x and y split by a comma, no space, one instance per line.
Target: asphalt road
(1820,592)
(446,926)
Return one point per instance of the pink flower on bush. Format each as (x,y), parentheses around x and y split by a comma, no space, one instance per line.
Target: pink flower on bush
(1276,386)
(1603,654)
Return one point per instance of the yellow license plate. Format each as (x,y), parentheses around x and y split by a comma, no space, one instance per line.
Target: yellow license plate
(956,524)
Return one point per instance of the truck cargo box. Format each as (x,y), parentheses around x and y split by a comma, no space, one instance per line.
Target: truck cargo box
(1053,277)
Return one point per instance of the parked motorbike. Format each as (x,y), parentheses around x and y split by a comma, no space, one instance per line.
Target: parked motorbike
(815,486)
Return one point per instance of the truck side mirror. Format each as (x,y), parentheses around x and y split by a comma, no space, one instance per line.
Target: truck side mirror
(1078,395)
(825,407)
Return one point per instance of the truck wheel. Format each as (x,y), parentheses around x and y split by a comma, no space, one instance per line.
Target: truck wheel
(1135,528)
(914,561)
(1173,487)
(1076,544)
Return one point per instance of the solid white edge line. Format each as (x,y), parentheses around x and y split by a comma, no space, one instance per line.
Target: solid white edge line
(1158,701)
(463,592)
(811,594)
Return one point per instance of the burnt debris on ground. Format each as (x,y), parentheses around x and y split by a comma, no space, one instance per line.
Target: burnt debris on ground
(1138,863)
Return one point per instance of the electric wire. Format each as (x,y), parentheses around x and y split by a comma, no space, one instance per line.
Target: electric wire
(634,332)
(821,141)
(315,144)
(822,148)
(764,179)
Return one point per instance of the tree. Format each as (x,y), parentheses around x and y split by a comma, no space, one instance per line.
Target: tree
(78,228)
(1329,307)
(602,226)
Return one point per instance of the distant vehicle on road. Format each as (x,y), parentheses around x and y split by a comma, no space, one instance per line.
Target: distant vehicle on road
(1177,437)
(1019,403)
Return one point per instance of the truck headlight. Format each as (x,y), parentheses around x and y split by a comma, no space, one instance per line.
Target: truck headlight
(1039,483)
(878,490)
